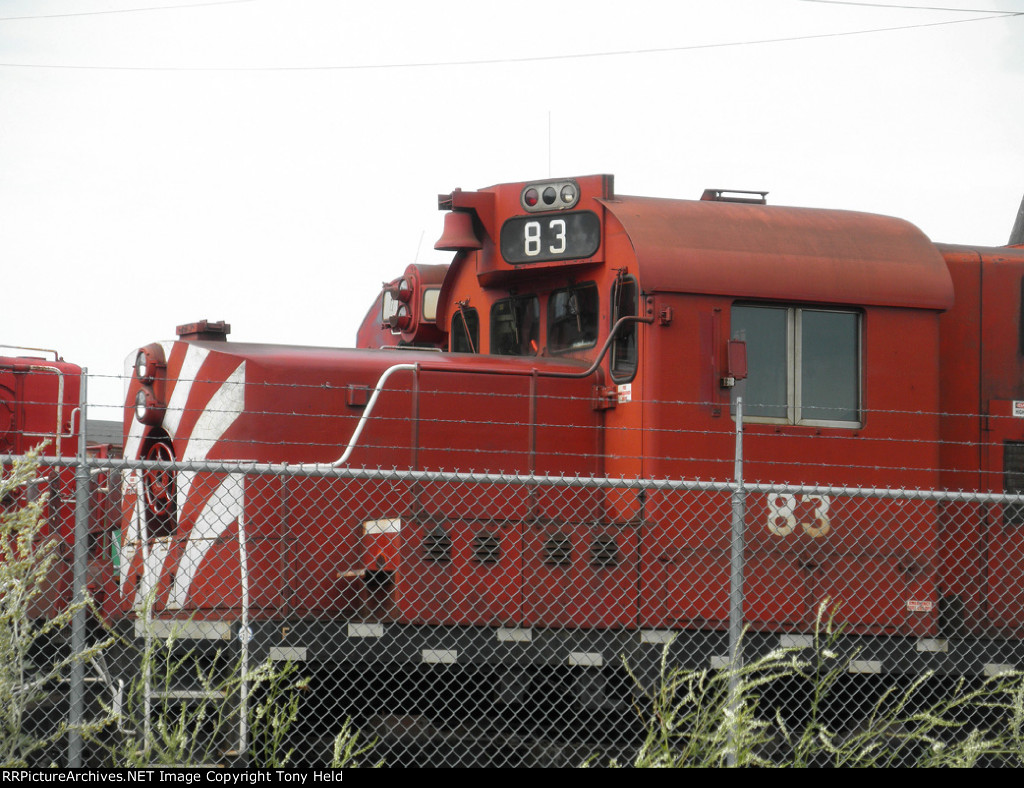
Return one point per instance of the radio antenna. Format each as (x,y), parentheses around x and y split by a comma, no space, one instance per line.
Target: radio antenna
(549,143)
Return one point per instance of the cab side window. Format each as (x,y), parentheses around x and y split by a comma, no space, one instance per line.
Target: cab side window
(803,365)
(624,348)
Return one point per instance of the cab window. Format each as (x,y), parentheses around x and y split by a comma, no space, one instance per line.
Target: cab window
(572,318)
(515,326)
(624,351)
(465,334)
(803,365)
(430,296)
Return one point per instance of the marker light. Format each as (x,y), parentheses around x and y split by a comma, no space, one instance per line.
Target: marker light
(556,195)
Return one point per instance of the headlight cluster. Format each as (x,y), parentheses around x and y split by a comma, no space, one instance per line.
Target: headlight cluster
(150,368)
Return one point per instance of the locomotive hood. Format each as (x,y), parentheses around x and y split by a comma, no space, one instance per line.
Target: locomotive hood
(306,400)
(796,254)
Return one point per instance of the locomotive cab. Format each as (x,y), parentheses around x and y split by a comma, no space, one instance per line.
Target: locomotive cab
(791,309)
(547,269)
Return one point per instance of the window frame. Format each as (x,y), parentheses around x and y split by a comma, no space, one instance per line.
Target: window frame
(794,346)
(629,342)
(590,287)
(460,329)
(1013,482)
(517,302)
(431,295)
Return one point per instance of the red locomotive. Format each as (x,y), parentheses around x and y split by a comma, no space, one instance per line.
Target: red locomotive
(40,400)
(578,332)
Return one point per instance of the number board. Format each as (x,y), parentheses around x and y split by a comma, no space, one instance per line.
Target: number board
(541,239)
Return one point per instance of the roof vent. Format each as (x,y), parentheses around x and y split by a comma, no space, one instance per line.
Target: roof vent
(735,195)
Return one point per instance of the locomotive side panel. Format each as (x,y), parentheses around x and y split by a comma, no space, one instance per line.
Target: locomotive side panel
(508,554)
(982,375)
(964,533)
(997,275)
(461,543)
(800,550)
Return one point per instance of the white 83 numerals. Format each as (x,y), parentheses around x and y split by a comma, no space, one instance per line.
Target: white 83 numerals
(782,514)
(533,238)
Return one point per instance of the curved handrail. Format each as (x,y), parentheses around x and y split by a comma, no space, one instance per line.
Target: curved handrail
(367,411)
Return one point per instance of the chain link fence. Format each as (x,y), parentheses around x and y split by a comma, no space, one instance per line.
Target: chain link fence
(247,613)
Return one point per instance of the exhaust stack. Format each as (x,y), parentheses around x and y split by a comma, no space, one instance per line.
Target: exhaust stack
(1017,233)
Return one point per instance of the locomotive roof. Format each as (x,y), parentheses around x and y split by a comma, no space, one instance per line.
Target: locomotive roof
(772,252)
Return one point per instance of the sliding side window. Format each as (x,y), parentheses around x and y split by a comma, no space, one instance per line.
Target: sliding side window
(803,365)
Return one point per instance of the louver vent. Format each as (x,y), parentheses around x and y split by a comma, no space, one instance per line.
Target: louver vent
(486,548)
(437,545)
(604,551)
(558,550)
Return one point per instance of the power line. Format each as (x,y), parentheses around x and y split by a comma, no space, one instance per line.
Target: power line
(917,7)
(125,10)
(528,59)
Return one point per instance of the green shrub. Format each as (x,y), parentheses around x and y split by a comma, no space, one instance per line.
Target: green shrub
(27,559)
(737,716)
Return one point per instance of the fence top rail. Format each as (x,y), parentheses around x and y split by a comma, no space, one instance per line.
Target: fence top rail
(326,470)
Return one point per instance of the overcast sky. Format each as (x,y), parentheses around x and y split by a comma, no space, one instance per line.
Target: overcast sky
(271,162)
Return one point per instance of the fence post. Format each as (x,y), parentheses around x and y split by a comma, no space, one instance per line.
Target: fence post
(244,635)
(736,578)
(80,570)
